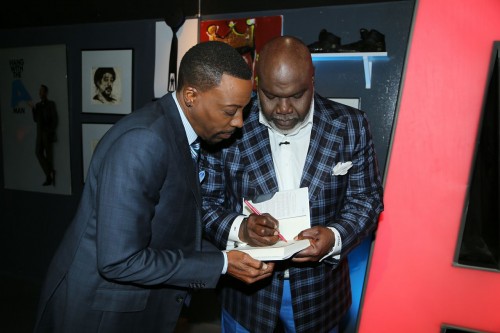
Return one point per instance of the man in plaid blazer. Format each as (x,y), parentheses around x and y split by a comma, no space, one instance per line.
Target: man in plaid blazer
(298,139)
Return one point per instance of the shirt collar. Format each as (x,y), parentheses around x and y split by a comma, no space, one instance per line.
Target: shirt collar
(190,133)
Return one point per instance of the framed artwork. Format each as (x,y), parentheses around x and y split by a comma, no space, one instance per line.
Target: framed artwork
(246,35)
(91,134)
(353,102)
(35,119)
(107,81)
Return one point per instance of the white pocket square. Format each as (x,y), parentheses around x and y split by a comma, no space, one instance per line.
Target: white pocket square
(341,168)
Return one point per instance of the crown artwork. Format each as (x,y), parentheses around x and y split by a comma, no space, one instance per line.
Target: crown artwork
(233,37)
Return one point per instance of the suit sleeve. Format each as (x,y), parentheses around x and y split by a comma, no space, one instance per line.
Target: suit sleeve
(128,191)
(362,202)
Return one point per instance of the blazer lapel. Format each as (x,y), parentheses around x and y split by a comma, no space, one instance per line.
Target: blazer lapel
(257,158)
(327,134)
(184,155)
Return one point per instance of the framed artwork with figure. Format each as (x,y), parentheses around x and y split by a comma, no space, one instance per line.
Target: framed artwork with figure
(107,81)
(35,119)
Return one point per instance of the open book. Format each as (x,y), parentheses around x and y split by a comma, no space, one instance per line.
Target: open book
(279,251)
(290,208)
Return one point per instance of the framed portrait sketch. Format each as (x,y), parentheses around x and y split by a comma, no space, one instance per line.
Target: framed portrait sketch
(107,81)
(91,134)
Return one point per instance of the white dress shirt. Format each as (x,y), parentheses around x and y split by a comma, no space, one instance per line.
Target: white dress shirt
(289,156)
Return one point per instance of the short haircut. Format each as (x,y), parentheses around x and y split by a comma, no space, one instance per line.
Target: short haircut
(45,88)
(99,73)
(203,65)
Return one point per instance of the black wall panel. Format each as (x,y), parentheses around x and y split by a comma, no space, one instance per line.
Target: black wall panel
(32,224)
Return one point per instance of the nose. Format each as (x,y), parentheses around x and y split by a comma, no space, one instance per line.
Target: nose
(284,106)
(237,120)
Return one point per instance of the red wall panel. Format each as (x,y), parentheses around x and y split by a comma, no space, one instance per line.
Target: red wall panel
(412,285)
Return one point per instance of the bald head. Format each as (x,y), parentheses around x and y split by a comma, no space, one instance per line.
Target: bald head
(285,56)
(285,82)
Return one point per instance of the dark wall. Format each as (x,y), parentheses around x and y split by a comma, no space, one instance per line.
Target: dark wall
(32,13)
(33,223)
(346,78)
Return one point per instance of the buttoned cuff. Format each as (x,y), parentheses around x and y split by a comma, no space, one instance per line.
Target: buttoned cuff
(337,247)
(233,239)
(224,269)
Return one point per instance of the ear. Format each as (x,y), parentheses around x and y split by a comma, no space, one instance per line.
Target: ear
(189,95)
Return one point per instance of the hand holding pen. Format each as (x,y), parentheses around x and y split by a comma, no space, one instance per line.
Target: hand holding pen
(256,211)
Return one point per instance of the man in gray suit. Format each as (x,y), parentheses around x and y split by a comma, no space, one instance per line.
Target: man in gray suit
(134,250)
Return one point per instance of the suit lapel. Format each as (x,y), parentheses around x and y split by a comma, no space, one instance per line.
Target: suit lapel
(326,138)
(184,154)
(257,158)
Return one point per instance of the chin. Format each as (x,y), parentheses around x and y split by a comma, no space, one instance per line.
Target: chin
(213,140)
(285,130)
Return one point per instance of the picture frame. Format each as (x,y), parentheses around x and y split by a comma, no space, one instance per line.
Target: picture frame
(107,81)
(23,72)
(91,135)
(246,34)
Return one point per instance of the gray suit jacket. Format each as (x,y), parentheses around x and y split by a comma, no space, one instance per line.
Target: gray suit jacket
(134,248)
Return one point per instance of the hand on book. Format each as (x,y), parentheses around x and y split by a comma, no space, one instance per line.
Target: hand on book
(322,240)
(243,267)
(259,230)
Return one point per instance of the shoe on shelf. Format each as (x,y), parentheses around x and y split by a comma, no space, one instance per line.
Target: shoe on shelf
(371,41)
(326,43)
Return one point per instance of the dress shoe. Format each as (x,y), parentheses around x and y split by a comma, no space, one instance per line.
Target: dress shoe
(371,41)
(327,42)
(48,181)
(51,179)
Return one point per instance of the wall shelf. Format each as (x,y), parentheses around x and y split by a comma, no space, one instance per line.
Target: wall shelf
(367,57)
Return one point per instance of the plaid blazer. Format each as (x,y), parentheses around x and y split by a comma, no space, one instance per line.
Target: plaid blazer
(243,168)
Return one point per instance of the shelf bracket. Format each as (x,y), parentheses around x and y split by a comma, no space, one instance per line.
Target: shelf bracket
(367,64)
(367,57)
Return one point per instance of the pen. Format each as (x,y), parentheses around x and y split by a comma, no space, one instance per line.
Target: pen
(256,211)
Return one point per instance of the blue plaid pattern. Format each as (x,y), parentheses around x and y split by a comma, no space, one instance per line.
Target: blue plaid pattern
(195,150)
(321,292)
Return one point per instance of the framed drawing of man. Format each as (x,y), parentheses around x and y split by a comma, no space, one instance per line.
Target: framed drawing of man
(107,81)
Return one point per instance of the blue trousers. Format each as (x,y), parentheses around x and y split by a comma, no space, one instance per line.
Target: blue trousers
(230,325)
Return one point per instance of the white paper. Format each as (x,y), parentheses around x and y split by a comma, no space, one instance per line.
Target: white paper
(279,251)
(290,208)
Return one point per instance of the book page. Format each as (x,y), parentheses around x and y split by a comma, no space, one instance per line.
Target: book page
(279,251)
(290,208)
